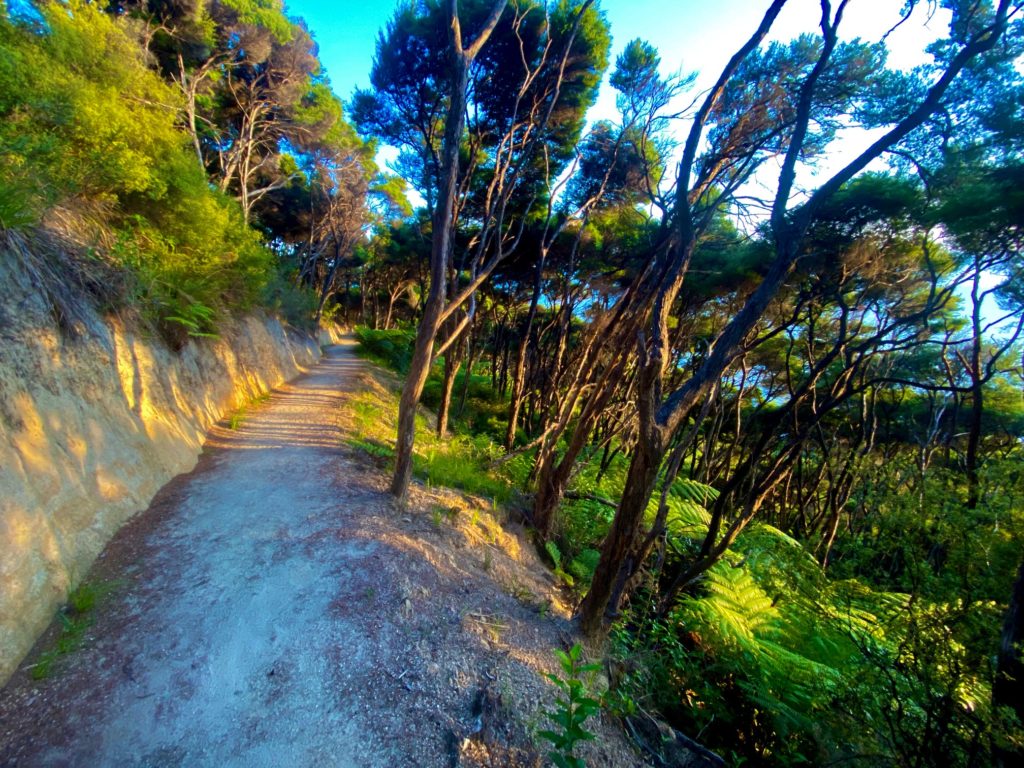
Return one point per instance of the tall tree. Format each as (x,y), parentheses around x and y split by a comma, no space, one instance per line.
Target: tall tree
(462,54)
(833,78)
(487,176)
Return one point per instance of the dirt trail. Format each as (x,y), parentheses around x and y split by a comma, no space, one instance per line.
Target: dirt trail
(273,609)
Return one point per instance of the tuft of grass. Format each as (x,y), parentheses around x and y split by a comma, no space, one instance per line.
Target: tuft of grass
(75,618)
(237,419)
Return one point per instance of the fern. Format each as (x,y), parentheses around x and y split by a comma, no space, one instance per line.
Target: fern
(735,608)
(584,564)
(556,558)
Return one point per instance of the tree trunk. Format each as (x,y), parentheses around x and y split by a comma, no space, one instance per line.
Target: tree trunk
(441,244)
(977,403)
(519,376)
(452,363)
(467,379)
(419,370)
(553,473)
(1008,689)
(503,376)
(621,539)
(426,333)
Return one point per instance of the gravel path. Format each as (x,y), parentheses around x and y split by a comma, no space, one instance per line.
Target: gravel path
(272,608)
(220,652)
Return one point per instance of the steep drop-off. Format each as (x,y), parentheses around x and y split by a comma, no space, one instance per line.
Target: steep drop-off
(92,427)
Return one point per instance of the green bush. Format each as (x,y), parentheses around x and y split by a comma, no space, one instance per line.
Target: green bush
(87,127)
(392,349)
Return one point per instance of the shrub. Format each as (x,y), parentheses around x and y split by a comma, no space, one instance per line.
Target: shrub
(392,349)
(86,125)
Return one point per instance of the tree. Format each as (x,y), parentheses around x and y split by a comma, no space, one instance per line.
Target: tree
(462,53)
(485,176)
(832,80)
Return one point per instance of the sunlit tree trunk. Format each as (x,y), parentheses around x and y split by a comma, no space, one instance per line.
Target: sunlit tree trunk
(441,245)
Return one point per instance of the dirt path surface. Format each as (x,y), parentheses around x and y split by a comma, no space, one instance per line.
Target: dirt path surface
(272,608)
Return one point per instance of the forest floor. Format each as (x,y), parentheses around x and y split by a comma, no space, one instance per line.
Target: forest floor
(274,607)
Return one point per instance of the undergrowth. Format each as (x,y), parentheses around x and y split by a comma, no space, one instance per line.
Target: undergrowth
(772,662)
(74,618)
(767,659)
(458,461)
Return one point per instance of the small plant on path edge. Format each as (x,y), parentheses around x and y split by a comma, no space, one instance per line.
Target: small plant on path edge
(573,708)
(75,618)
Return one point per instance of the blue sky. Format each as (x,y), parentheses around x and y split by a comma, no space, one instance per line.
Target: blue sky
(690,34)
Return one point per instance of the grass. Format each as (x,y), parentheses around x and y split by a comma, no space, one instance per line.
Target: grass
(459,461)
(236,419)
(75,618)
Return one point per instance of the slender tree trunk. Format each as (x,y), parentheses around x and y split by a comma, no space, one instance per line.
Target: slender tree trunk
(495,340)
(503,376)
(326,287)
(412,390)
(1008,689)
(189,87)
(977,394)
(441,245)
(452,363)
(467,379)
(519,376)
(426,333)
(554,472)
(387,317)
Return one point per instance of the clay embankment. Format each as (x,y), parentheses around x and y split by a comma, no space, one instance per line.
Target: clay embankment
(91,428)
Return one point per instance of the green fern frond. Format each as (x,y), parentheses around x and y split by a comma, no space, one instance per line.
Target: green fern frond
(735,607)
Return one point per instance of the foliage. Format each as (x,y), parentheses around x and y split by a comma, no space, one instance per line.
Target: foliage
(155,134)
(556,558)
(389,348)
(573,707)
(789,665)
(410,79)
(86,127)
